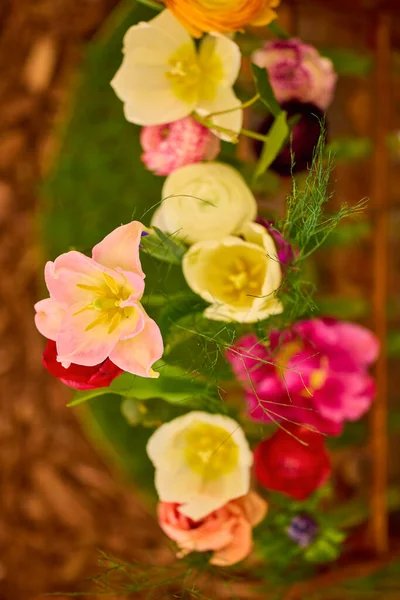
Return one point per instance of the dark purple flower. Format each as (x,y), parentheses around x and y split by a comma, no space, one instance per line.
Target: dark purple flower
(303,140)
(303,530)
(284,248)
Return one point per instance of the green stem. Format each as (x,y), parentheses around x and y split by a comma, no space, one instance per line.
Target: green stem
(210,125)
(241,106)
(154,5)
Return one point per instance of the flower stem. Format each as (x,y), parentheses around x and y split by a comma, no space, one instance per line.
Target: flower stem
(154,5)
(210,125)
(240,107)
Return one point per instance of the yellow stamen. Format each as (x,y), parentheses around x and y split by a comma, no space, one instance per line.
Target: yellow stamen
(115,321)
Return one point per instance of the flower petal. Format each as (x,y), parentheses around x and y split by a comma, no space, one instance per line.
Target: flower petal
(239,547)
(227,52)
(225,100)
(48,318)
(361,342)
(120,249)
(214,493)
(70,270)
(82,346)
(138,353)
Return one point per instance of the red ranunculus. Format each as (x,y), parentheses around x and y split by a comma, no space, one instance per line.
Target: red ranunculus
(285,464)
(77,376)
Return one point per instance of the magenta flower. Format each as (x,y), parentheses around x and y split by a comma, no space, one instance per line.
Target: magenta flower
(297,72)
(316,373)
(173,145)
(94,309)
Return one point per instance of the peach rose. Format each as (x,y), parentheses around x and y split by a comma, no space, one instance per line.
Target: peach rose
(227,531)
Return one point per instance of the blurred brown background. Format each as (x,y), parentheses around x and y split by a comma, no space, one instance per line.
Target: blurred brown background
(59,503)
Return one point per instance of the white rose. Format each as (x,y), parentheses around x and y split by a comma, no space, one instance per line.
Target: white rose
(206,201)
(238,276)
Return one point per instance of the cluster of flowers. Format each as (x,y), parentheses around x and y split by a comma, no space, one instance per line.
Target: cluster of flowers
(314,374)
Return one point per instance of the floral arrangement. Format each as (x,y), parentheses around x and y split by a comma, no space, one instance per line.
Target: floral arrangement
(231,312)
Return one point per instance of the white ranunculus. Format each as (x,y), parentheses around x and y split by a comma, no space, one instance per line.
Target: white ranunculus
(202,461)
(205,201)
(238,276)
(164,77)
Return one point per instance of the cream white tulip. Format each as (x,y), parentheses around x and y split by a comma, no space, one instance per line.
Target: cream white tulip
(238,276)
(164,77)
(205,201)
(202,461)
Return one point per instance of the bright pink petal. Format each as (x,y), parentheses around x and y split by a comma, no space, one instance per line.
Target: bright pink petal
(73,269)
(362,344)
(137,354)
(120,249)
(48,318)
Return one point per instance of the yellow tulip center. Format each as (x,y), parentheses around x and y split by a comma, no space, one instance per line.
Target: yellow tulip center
(107,301)
(210,450)
(195,75)
(243,279)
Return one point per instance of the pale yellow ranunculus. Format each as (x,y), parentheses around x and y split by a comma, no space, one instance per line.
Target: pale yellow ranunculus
(164,77)
(202,461)
(238,276)
(205,201)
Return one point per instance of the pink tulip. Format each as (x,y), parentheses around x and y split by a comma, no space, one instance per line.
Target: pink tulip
(227,531)
(315,373)
(94,309)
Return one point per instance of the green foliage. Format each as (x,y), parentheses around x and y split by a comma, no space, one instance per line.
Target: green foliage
(349,62)
(163,247)
(287,561)
(264,89)
(277,137)
(307,224)
(174,385)
(99,181)
(347,149)
(110,432)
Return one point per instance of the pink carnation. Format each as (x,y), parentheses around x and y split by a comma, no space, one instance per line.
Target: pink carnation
(227,531)
(94,311)
(173,145)
(297,72)
(316,373)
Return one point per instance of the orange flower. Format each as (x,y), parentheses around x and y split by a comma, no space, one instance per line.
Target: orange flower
(200,16)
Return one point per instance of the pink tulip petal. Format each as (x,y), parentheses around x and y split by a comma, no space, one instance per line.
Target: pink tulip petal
(76,344)
(137,354)
(68,271)
(136,283)
(89,347)
(48,318)
(362,344)
(120,249)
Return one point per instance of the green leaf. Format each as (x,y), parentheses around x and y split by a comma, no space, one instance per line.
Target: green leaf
(349,62)
(349,148)
(277,30)
(173,385)
(264,88)
(277,137)
(163,247)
